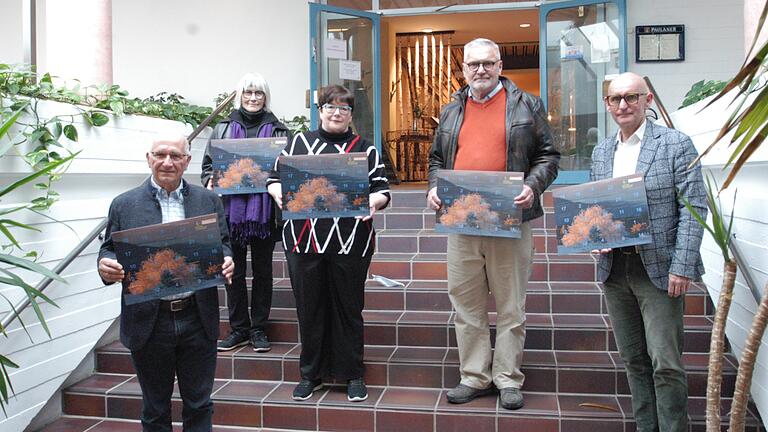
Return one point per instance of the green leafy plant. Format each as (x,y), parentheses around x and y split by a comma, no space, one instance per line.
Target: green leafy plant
(702,90)
(170,106)
(43,141)
(12,263)
(297,124)
(22,81)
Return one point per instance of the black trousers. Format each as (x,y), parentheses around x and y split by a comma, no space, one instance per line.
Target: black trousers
(329,291)
(178,347)
(261,288)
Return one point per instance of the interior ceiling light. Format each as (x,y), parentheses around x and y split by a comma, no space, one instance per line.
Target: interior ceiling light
(427,30)
(525,25)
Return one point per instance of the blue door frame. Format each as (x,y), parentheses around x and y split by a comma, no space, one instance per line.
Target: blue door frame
(576,177)
(315,10)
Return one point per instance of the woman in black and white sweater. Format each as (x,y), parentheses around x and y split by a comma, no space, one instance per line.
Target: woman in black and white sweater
(328,259)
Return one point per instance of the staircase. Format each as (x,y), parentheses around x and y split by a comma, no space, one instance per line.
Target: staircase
(411,358)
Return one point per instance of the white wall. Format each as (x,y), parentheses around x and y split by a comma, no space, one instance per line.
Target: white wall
(752,11)
(750,226)
(12,45)
(714,43)
(112,161)
(200,48)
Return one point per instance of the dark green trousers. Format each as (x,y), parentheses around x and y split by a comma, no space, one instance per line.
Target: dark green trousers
(648,327)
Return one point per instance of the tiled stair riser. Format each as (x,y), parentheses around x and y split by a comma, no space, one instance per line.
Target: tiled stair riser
(411,357)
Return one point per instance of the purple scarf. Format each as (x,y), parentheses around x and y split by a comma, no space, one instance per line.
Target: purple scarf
(248,214)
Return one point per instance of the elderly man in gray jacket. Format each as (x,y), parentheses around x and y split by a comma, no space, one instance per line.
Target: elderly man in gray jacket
(645,285)
(175,336)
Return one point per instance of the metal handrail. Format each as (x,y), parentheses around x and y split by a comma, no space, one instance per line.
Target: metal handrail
(659,104)
(740,263)
(63,264)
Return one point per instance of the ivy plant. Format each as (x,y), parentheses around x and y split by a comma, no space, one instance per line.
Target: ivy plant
(702,90)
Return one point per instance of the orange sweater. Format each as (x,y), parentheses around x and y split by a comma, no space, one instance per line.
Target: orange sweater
(482,144)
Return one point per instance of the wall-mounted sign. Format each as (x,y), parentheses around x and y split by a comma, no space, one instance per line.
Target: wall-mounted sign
(350,70)
(660,43)
(336,49)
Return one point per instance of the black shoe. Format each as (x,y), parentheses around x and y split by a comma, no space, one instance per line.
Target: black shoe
(260,342)
(305,388)
(234,340)
(356,390)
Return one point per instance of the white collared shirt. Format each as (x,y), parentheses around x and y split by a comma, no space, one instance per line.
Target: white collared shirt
(172,208)
(627,152)
(487,97)
(171,204)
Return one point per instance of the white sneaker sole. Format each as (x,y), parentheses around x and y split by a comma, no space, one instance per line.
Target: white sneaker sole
(317,387)
(220,349)
(357,398)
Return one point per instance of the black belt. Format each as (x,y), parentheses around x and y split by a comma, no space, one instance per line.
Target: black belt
(628,250)
(177,305)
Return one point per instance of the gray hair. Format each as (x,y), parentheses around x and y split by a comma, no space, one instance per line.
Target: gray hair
(484,43)
(256,82)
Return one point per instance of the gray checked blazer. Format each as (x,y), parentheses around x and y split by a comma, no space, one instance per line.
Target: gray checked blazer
(664,158)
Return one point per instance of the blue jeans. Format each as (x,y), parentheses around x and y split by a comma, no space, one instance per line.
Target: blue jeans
(178,347)
(648,326)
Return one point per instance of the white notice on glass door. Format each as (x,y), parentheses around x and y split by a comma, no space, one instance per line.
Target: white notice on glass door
(336,49)
(350,70)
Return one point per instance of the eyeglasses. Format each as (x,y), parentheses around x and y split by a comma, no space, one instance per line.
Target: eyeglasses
(629,98)
(175,157)
(258,94)
(330,109)
(487,65)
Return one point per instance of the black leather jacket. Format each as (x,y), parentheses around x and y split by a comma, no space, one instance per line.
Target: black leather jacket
(529,141)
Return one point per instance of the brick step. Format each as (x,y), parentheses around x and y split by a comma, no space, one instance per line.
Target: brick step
(100,424)
(432,296)
(570,332)
(433,266)
(426,240)
(415,196)
(577,372)
(415,218)
(268,404)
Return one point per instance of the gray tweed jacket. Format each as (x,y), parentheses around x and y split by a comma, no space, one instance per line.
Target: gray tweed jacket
(664,158)
(139,207)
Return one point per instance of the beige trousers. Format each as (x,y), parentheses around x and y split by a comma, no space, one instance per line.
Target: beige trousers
(477,265)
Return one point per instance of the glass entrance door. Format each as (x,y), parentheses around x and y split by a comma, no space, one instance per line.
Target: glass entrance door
(344,50)
(583,42)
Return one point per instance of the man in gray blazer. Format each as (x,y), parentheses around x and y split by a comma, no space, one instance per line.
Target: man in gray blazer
(174,336)
(645,285)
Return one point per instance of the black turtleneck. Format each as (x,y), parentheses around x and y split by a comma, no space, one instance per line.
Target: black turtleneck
(252,121)
(335,138)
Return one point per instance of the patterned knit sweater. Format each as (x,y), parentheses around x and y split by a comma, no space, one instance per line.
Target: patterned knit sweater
(341,236)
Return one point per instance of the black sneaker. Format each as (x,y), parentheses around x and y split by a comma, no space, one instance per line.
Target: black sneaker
(356,390)
(234,340)
(305,388)
(260,342)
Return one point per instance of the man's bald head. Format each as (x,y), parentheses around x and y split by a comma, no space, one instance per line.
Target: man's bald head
(631,80)
(627,99)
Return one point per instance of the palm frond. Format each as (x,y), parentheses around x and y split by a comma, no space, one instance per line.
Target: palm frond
(747,124)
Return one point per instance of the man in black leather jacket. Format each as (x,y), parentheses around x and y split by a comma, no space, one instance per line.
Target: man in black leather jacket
(491,125)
